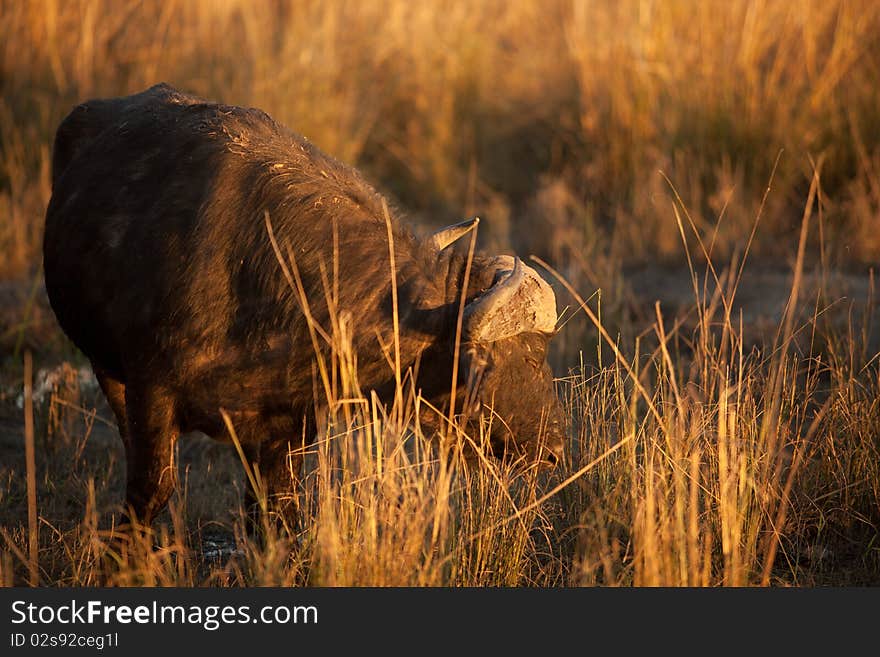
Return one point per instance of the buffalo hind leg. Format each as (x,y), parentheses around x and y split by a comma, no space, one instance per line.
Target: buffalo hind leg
(149,451)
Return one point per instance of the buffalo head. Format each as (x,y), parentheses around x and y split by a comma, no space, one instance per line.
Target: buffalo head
(509,392)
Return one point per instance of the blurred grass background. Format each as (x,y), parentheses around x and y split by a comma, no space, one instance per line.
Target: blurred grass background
(551,119)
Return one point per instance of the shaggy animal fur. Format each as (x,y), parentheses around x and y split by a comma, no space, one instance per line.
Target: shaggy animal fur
(159,267)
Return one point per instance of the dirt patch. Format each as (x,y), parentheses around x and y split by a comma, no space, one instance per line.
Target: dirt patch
(843,301)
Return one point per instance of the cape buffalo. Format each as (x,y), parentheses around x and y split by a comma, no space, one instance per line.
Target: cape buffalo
(160,266)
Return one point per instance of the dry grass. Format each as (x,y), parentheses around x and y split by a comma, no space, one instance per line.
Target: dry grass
(692,462)
(596,135)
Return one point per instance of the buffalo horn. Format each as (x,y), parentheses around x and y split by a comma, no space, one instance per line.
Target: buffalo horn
(518,302)
(446,236)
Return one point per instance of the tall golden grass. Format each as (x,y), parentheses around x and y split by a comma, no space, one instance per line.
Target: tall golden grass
(595,135)
(693,461)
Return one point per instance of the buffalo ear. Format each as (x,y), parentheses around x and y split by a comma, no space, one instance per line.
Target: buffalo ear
(446,236)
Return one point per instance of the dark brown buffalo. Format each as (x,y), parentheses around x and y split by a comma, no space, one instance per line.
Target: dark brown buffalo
(160,268)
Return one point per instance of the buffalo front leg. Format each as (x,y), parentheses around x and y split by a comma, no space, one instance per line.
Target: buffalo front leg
(149,450)
(276,464)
